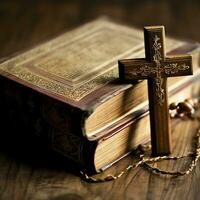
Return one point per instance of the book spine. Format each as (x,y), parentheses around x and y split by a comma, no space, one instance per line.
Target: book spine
(75,148)
(55,124)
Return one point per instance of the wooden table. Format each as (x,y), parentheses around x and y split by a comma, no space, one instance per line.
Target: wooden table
(32,174)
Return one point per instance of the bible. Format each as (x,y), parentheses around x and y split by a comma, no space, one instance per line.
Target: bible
(68,92)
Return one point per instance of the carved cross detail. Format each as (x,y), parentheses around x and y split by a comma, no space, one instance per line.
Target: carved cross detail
(156,68)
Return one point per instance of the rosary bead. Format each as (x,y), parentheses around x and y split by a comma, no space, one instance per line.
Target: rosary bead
(179,110)
(190,101)
(180,113)
(173,106)
(144,147)
(185,107)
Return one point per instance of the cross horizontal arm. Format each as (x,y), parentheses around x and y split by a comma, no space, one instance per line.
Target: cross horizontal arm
(135,69)
(177,66)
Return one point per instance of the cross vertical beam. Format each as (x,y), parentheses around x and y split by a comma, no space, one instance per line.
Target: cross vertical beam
(158,103)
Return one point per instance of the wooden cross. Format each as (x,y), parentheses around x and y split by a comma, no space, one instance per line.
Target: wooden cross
(156,68)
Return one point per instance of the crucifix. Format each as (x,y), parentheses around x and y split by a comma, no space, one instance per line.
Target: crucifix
(156,67)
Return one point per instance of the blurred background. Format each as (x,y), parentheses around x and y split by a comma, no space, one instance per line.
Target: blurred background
(26,23)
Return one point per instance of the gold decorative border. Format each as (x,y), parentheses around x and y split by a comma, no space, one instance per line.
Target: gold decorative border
(74,94)
(160,92)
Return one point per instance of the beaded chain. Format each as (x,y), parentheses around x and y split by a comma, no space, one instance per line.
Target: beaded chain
(183,109)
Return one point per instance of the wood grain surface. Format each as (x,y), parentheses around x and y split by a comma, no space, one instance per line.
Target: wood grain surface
(29,172)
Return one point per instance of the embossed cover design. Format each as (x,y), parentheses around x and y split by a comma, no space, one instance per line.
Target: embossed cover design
(75,64)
